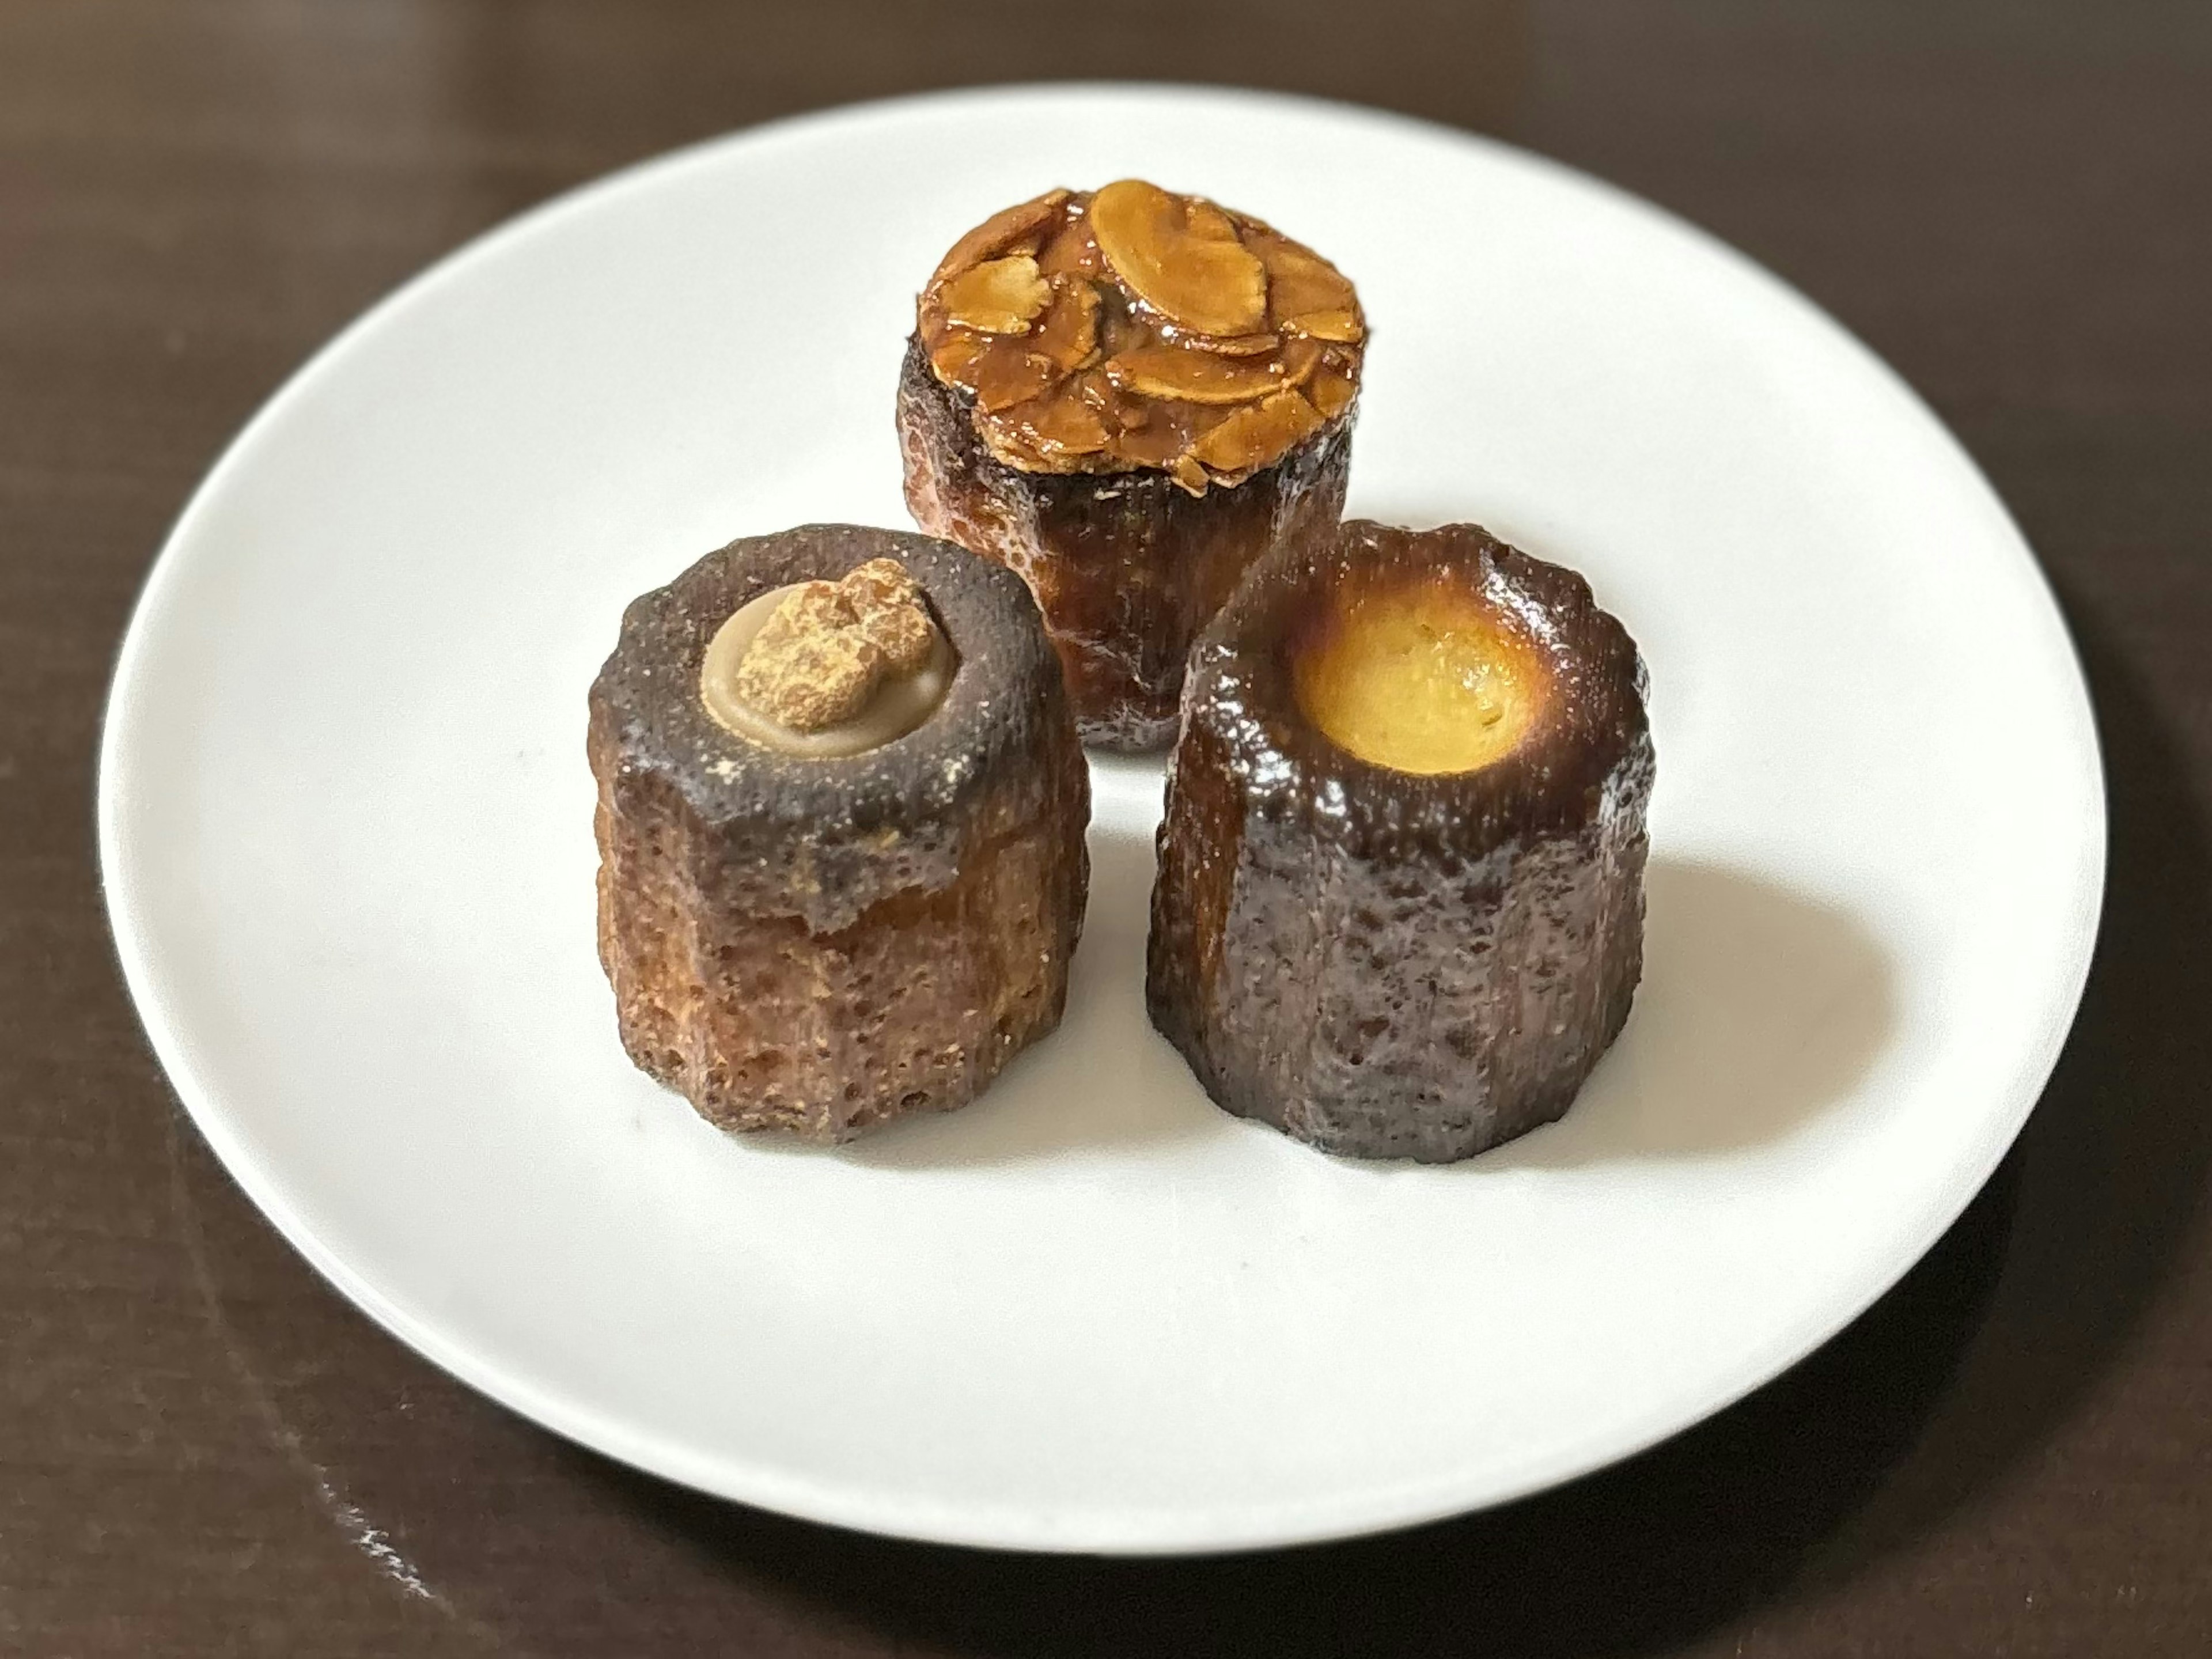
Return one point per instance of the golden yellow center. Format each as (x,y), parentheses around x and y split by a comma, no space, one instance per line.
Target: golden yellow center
(1425,679)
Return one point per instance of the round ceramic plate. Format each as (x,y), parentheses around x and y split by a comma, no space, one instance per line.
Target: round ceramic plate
(345,820)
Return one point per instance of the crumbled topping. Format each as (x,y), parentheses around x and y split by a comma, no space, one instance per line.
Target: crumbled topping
(830,646)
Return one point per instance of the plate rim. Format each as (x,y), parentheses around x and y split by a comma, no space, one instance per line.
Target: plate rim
(996,1524)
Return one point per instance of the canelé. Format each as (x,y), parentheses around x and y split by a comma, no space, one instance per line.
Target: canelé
(1129,395)
(1399,910)
(840,815)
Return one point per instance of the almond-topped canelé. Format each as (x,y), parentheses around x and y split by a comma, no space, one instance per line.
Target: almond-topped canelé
(1129,395)
(1400,905)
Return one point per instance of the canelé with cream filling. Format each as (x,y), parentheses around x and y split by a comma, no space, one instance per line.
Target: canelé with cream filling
(841,820)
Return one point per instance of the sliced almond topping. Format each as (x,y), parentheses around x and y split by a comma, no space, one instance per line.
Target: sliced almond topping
(1342,326)
(1066,426)
(1252,437)
(1137,328)
(1156,443)
(1069,333)
(1095,389)
(1298,283)
(1071,250)
(1008,374)
(1299,359)
(956,355)
(1205,283)
(999,233)
(1332,391)
(1198,377)
(1237,345)
(1209,222)
(999,296)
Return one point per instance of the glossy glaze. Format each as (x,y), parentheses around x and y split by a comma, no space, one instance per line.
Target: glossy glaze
(1388,964)
(1128,566)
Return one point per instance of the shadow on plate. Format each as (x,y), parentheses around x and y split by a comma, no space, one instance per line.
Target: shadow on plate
(1105,1078)
(1760,1006)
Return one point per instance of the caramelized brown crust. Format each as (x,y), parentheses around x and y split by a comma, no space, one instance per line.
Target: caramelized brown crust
(820,944)
(1387,965)
(1128,566)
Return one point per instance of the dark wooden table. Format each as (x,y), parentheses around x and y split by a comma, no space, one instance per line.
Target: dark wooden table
(203,1451)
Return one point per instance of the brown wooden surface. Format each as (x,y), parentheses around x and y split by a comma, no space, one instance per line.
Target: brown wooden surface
(202,1451)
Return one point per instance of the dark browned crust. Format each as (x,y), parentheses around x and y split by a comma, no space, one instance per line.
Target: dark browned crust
(819,945)
(1390,965)
(1127,566)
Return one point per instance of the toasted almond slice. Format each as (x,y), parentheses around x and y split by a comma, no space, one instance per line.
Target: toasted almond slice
(999,233)
(1212,286)
(1300,358)
(1255,435)
(1069,332)
(1189,474)
(1070,250)
(1332,391)
(1237,345)
(1157,445)
(1000,296)
(1059,425)
(1209,222)
(1007,374)
(1095,389)
(1198,377)
(1300,281)
(1342,326)
(954,358)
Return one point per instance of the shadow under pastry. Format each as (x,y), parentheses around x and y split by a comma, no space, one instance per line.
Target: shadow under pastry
(1759,1008)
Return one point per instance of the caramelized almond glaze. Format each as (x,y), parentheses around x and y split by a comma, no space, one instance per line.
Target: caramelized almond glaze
(1135,329)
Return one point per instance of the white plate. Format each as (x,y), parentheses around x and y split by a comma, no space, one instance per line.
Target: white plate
(345,823)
